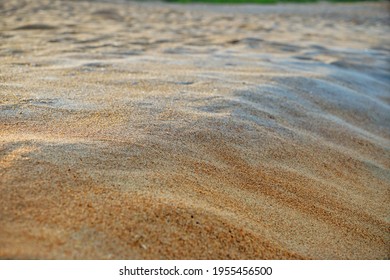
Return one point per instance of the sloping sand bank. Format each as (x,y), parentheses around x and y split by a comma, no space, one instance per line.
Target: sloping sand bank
(138,131)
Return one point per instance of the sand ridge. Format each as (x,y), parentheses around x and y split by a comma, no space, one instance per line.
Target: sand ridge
(153,131)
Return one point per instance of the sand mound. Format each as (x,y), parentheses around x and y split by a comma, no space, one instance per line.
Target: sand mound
(159,131)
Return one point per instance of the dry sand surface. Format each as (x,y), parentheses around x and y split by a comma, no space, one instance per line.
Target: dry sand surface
(155,131)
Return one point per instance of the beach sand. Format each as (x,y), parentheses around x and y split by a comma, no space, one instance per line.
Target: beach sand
(161,131)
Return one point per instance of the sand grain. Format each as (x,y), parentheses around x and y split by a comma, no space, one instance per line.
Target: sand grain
(151,131)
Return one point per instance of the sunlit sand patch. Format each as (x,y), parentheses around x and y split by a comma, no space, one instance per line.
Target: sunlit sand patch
(20,153)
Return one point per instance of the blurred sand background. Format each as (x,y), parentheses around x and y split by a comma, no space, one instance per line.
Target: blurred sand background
(161,131)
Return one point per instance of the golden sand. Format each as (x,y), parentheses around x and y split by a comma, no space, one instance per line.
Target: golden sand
(154,131)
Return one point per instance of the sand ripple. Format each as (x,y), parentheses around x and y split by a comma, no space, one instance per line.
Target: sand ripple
(138,131)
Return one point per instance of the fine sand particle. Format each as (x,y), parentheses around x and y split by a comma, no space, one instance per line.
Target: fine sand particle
(157,131)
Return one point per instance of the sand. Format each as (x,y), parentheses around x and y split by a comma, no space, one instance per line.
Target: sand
(156,131)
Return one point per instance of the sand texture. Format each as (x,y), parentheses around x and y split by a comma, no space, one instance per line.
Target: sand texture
(156,131)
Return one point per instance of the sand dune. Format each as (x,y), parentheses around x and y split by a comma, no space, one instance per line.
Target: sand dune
(155,131)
